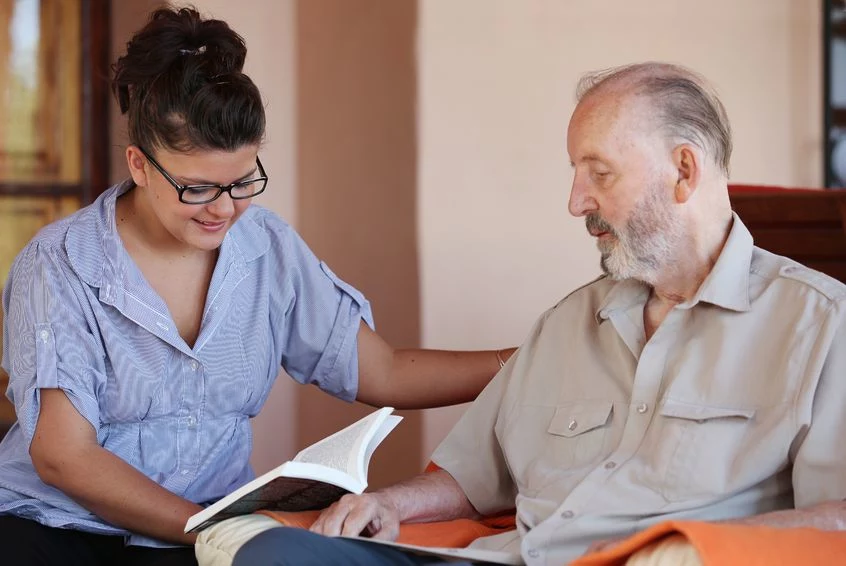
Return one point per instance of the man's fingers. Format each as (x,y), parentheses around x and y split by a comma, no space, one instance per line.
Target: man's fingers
(359,518)
(354,515)
(389,530)
(331,521)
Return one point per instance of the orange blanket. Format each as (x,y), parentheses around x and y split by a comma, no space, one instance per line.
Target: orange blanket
(455,534)
(723,544)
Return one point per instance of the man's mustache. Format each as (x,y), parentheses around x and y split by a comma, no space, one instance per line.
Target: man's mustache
(595,225)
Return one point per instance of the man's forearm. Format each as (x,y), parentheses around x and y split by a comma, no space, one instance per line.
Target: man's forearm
(434,496)
(830,516)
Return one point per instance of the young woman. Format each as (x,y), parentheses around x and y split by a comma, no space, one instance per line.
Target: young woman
(143,332)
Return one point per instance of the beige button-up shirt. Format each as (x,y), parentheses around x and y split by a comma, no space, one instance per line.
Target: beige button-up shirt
(735,406)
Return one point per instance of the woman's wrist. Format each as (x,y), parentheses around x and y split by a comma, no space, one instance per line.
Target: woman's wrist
(503,355)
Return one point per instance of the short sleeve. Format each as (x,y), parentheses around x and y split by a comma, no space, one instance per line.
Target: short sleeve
(472,454)
(473,450)
(819,468)
(319,328)
(47,340)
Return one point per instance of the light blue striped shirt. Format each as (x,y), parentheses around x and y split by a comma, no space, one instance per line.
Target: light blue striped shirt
(80,316)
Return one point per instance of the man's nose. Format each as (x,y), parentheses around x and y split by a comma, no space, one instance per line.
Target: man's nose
(581,202)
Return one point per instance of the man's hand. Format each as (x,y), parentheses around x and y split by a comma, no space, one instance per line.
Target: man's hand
(370,514)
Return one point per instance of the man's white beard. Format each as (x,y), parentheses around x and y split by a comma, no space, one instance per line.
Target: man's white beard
(646,244)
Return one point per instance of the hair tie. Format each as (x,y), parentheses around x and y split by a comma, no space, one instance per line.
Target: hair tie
(198,51)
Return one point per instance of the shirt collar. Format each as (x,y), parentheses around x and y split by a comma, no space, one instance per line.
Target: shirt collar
(726,286)
(92,241)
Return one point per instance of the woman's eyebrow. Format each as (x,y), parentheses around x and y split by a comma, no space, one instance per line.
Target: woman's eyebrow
(195,181)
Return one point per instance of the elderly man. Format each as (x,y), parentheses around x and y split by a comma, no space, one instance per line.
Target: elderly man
(700,378)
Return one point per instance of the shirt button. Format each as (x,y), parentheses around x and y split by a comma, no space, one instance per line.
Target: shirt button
(642,408)
(533,552)
(191,420)
(44,336)
(573,425)
(567,514)
(184,472)
(610,465)
(194,365)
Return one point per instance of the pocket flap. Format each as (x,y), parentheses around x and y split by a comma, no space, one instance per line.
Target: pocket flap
(574,419)
(695,412)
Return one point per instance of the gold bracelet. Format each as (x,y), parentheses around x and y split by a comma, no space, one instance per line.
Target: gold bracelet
(499,359)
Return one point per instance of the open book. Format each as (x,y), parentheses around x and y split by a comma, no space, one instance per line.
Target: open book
(315,478)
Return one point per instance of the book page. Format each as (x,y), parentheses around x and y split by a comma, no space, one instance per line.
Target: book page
(318,475)
(381,434)
(340,450)
(446,554)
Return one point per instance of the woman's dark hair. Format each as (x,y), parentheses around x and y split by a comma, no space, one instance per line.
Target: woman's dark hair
(180,82)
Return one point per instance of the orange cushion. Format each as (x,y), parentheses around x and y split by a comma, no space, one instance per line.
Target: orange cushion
(724,544)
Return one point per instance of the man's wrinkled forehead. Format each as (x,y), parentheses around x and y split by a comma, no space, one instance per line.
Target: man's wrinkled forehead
(610,117)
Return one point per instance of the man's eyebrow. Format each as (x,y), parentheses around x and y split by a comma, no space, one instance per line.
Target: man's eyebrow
(590,158)
(593,157)
(195,181)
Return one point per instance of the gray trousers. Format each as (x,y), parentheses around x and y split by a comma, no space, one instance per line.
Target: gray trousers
(286,546)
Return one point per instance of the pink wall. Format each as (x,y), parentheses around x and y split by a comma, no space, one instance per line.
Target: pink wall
(356,168)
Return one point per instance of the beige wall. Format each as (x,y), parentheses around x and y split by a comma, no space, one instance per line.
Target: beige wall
(496,84)
(493,242)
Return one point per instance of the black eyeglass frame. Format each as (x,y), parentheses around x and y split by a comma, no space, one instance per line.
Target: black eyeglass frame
(180,189)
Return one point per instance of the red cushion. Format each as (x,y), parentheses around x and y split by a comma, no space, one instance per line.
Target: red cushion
(733,189)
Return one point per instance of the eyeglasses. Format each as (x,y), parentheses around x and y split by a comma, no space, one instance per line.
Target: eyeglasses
(204,194)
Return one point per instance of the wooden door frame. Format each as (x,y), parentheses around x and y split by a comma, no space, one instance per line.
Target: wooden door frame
(94,109)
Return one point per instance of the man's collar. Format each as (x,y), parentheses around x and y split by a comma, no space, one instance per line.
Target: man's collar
(726,286)
(622,296)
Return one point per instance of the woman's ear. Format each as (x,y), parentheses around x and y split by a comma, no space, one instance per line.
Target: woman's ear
(687,160)
(135,161)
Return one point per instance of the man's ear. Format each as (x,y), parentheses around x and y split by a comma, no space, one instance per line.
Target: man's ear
(687,160)
(135,161)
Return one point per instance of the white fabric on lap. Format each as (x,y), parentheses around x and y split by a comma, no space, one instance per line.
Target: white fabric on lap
(675,550)
(217,545)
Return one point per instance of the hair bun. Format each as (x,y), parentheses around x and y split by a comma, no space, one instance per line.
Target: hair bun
(172,60)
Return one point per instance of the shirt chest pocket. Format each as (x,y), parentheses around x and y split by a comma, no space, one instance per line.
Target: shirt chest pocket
(702,450)
(551,444)
(577,432)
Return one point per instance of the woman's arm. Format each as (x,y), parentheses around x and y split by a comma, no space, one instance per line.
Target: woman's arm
(417,379)
(66,455)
